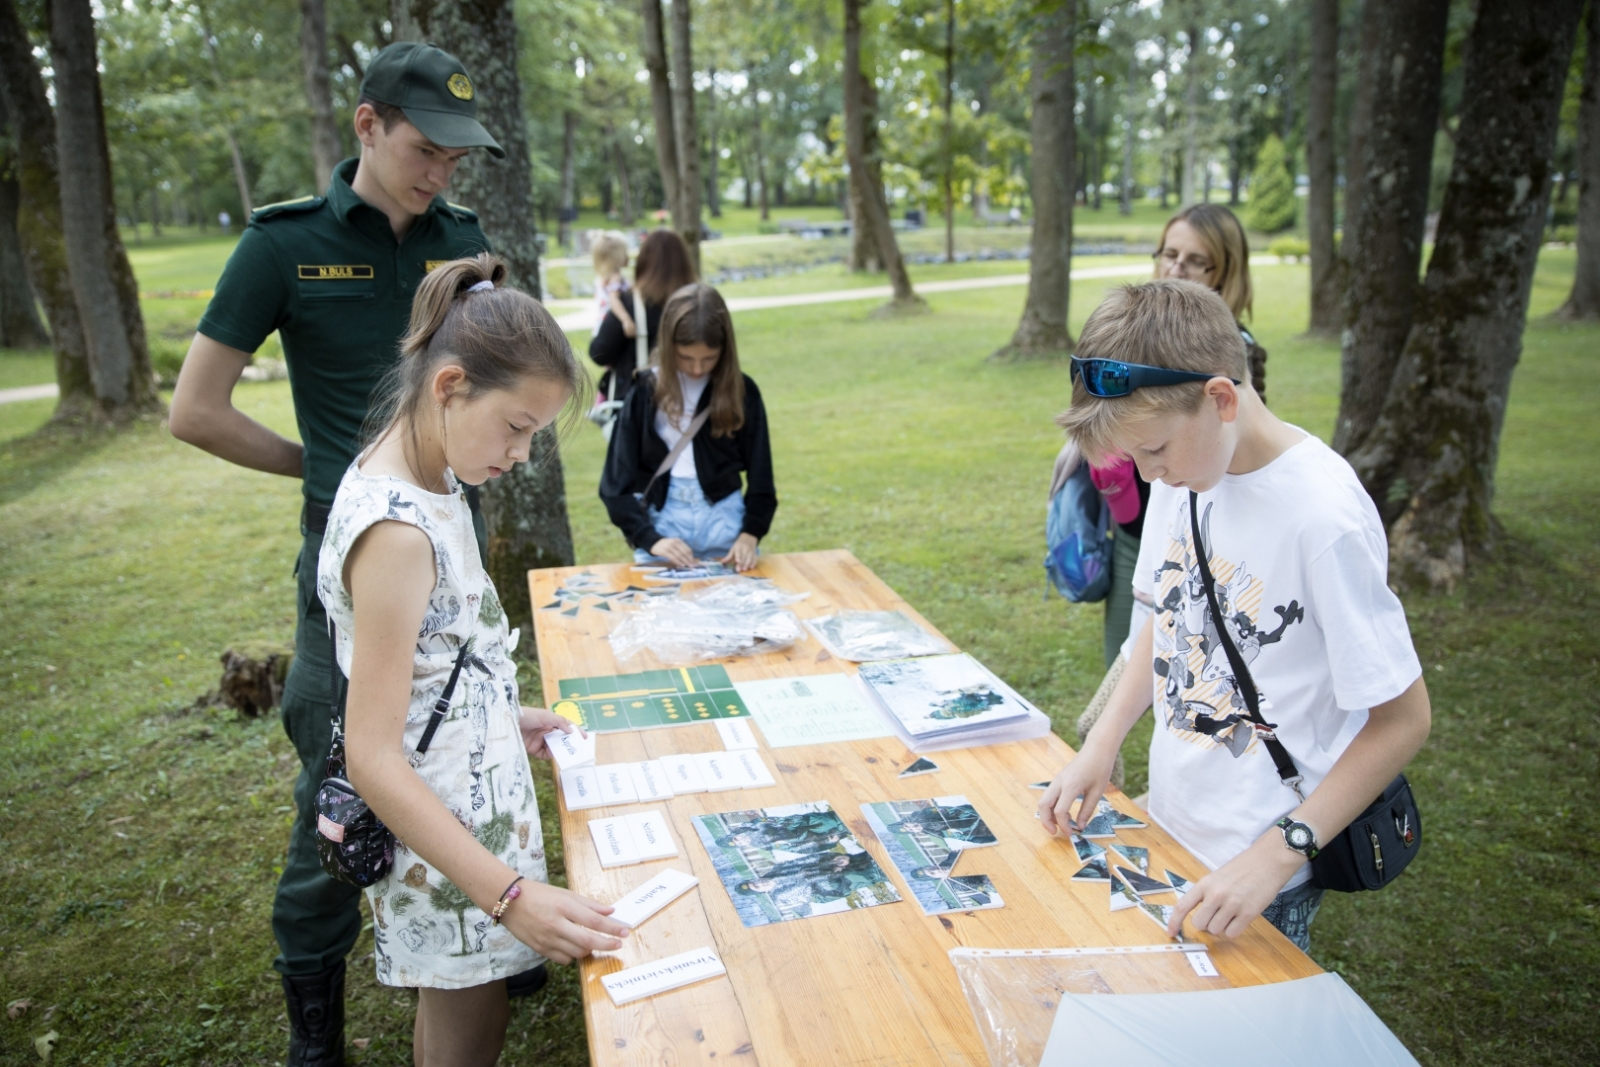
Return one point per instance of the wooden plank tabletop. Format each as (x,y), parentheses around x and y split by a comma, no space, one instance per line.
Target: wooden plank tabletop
(872,986)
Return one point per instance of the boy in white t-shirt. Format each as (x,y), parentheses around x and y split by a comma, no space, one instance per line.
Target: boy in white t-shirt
(1299,560)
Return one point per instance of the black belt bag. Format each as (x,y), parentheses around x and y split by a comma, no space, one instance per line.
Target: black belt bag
(1381,841)
(353,845)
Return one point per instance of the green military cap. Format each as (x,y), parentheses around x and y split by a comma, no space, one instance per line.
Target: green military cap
(432,88)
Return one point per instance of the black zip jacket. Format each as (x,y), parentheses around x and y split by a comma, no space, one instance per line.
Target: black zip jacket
(636,450)
(615,350)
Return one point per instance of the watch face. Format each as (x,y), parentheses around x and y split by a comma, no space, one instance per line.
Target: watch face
(1299,836)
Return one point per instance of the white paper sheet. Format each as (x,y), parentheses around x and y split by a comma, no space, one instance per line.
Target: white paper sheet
(674,972)
(649,898)
(818,709)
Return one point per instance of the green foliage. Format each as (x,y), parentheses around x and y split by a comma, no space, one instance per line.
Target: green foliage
(1290,247)
(1272,199)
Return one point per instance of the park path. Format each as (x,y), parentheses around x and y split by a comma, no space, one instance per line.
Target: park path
(584,319)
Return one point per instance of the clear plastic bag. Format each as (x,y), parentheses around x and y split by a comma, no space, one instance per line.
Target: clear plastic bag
(1014,993)
(745,618)
(864,636)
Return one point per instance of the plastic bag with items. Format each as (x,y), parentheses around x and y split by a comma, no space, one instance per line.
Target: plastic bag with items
(734,618)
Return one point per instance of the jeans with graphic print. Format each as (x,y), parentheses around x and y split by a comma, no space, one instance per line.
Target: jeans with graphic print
(1292,910)
(708,529)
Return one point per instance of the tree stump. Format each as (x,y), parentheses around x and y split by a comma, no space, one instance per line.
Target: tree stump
(253,676)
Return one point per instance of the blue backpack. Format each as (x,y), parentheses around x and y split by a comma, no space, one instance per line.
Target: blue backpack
(1078,562)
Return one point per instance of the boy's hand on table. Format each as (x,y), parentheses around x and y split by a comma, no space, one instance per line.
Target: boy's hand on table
(1087,776)
(1226,901)
(744,553)
(535,723)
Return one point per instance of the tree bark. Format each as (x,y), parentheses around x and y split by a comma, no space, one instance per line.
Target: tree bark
(1323,166)
(874,209)
(569,205)
(713,157)
(240,178)
(688,133)
(19,313)
(1355,159)
(655,61)
(1430,461)
(1584,301)
(119,361)
(1125,195)
(949,131)
(1053,88)
(1384,244)
(619,161)
(1191,112)
(325,149)
(525,509)
(863,238)
(38,217)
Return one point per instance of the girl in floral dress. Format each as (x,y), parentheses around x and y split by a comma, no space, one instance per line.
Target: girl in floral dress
(482,369)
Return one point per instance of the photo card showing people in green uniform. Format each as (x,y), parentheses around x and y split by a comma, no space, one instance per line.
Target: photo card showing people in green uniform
(924,839)
(669,697)
(791,862)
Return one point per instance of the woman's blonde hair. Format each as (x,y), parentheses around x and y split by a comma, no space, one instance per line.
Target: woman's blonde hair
(498,336)
(697,315)
(609,251)
(1165,323)
(1221,232)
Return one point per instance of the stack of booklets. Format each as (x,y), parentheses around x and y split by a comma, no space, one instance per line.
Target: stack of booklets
(942,702)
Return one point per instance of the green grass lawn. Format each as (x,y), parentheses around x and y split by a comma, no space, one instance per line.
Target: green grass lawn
(142,840)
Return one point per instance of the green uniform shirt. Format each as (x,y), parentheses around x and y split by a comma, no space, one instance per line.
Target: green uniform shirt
(327,274)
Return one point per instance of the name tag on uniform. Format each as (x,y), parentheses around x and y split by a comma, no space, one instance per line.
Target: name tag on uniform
(430,265)
(315,273)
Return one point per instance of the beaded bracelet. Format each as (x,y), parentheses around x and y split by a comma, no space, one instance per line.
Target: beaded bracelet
(513,891)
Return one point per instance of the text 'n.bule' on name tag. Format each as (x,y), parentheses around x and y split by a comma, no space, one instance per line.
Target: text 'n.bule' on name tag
(335,272)
(652,896)
(674,972)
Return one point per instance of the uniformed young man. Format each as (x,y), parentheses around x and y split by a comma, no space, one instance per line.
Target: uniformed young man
(334,276)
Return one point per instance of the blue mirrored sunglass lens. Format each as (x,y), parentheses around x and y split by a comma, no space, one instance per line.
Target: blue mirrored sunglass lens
(1105,378)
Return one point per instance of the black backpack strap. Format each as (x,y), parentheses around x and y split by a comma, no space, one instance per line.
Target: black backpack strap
(441,707)
(1287,771)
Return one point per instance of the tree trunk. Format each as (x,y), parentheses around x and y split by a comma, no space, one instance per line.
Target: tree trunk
(713,157)
(240,178)
(1384,245)
(402,27)
(655,61)
(863,238)
(619,161)
(949,131)
(1355,157)
(760,153)
(1584,302)
(119,360)
(688,134)
(525,509)
(1125,197)
(19,314)
(1191,113)
(1320,161)
(1430,461)
(325,150)
(863,173)
(39,213)
(1052,86)
(569,206)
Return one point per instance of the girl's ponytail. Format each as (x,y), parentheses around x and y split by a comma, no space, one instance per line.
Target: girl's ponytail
(464,313)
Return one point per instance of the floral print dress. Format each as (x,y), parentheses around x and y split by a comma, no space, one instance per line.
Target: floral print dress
(429,933)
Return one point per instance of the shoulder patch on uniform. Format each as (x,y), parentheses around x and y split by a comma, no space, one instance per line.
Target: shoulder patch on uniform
(287,207)
(462,212)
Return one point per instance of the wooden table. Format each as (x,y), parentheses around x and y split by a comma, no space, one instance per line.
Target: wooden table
(872,986)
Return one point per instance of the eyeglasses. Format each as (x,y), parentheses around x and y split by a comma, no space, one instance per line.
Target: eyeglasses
(1108,378)
(1197,265)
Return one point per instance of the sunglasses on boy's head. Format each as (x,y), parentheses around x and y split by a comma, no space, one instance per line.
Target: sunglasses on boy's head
(1113,378)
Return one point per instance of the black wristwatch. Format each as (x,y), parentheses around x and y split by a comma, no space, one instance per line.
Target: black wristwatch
(1298,837)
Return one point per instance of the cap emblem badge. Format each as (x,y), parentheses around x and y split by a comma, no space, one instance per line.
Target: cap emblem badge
(460,86)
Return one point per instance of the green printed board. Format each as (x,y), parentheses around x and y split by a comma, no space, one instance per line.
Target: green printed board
(650,698)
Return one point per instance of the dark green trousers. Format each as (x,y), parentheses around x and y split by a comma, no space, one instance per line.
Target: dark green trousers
(1119,602)
(316,918)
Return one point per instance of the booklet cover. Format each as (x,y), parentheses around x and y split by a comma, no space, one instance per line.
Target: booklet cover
(938,696)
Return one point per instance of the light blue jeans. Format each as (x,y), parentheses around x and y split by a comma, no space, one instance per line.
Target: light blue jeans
(1292,910)
(708,529)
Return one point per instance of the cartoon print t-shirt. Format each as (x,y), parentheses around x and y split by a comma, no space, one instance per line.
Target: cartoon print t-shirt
(1301,567)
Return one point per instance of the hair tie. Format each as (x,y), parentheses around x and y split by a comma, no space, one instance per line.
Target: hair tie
(482,286)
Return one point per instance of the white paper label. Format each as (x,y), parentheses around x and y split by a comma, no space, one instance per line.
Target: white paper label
(650,780)
(716,769)
(625,839)
(648,979)
(737,734)
(683,773)
(650,835)
(652,896)
(580,786)
(570,750)
(613,842)
(1201,962)
(750,770)
(616,784)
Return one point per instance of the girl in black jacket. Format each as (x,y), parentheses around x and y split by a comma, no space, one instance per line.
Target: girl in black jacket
(693,510)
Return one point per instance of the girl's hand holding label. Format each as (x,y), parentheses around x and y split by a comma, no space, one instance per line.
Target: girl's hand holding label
(536,722)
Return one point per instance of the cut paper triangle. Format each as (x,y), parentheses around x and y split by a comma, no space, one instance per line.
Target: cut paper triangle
(1087,850)
(1142,883)
(1139,857)
(921,766)
(1093,871)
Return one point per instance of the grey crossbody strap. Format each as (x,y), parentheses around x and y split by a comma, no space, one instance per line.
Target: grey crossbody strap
(677,450)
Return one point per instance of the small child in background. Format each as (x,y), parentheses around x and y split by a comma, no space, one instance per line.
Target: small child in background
(610,252)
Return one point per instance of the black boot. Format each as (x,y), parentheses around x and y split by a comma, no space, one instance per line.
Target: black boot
(316,1017)
(528,982)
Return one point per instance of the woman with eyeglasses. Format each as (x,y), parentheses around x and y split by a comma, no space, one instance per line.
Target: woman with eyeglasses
(1205,243)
